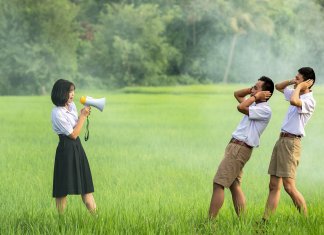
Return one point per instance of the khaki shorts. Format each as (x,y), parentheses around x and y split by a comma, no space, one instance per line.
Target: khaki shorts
(285,157)
(231,167)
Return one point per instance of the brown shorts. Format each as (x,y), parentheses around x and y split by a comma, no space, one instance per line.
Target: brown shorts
(285,157)
(231,167)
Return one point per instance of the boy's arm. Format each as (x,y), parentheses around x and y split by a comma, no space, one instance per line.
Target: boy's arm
(294,99)
(260,96)
(282,85)
(240,94)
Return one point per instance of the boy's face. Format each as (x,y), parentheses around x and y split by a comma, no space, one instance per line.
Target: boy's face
(298,78)
(257,87)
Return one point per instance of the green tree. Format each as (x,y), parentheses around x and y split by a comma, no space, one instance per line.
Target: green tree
(247,17)
(130,47)
(39,41)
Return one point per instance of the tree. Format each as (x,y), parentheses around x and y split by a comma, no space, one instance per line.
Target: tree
(130,47)
(39,43)
(244,18)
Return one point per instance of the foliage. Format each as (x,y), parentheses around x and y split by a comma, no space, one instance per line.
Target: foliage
(127,50)
(38,42)
(143,42)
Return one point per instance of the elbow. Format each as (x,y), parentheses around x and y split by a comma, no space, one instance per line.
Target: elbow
(278,88)
(243,109)
(73,136)
(293,102)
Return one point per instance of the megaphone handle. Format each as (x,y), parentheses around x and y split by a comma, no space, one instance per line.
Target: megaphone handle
(86,135)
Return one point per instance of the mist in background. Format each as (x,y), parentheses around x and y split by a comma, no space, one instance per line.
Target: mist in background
(116,44)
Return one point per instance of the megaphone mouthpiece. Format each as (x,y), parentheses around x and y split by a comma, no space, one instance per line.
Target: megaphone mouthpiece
(83,99)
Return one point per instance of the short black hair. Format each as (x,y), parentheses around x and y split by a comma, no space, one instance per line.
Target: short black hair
(268,84)
(308,73)
(60,92)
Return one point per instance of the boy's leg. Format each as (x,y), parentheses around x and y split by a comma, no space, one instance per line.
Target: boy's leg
(237,197)
(296,196)
(61,204)
(217,200)
(273,197)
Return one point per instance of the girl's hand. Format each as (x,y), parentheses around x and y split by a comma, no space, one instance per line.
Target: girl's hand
(86,111)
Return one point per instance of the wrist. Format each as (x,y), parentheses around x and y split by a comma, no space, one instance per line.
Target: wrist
(255,98)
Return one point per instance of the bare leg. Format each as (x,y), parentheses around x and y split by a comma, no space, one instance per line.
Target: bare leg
(237,197)
(273,197)
(89,201)
(61,204)
(217,200)
(296,196)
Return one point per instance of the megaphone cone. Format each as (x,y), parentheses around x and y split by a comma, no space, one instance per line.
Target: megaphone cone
(97,103)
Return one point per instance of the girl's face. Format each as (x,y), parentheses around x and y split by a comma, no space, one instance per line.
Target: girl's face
(71,95)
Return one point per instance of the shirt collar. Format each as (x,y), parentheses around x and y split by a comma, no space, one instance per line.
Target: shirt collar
(262,103)
(309,94)
(64,109)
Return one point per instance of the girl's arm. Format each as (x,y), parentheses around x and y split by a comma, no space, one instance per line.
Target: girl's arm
(85,112)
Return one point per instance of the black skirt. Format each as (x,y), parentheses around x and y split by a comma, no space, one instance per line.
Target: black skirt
(72,173)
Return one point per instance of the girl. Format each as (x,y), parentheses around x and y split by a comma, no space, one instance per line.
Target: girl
(72,173)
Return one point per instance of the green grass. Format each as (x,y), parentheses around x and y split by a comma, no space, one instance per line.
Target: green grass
(153,153)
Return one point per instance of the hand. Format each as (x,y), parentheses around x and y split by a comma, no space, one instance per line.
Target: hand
(86,111)
(263,95)
(292,81)
(306,84)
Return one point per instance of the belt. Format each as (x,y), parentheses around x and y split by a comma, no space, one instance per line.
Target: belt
(286,134)
(239,142)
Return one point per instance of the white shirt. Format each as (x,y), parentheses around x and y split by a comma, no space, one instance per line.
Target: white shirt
(297,117)
(64,120)
(251,126)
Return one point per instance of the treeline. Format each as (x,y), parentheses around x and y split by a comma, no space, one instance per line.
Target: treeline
(121,43)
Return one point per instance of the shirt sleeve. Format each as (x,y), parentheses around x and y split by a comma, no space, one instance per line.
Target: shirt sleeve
(259,113)
(288,93)
(62,124)
(308,106)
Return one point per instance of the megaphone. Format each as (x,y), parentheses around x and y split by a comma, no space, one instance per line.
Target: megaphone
(97,103)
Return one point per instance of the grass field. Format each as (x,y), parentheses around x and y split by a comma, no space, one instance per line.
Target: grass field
(153,153)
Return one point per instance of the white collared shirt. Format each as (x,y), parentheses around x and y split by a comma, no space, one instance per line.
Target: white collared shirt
(251,126)
(64,120)
(297,117)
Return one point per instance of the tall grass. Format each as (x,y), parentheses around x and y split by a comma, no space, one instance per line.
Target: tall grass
(153,154)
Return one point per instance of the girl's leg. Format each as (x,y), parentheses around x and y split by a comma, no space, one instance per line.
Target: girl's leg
(61,204)
(89,201)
